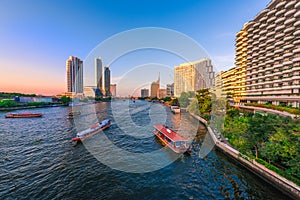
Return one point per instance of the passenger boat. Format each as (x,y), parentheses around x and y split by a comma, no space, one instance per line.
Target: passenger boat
(173,140)
(175,109)
(73,114)
(23,115)
(92,131)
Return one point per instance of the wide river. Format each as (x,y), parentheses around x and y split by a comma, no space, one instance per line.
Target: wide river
(39,161)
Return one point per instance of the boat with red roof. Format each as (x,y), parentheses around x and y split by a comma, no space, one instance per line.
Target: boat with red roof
(23,115)
(92,131)
(173,140)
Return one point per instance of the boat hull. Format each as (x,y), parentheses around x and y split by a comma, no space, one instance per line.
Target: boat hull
(164,142)
(23,115)
(77,139)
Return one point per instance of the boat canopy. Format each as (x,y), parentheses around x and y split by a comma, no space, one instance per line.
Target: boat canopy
(175,137)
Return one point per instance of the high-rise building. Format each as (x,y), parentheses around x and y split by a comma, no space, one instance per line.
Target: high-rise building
(162,93)
(192,76)
(170,90)
(107,81)
(74,68)
(89,91)
(98,73)
(113,90)
(268,56)
(229,82)
(144,92)
(155,88)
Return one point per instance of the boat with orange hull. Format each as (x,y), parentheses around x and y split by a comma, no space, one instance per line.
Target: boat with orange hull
(173,140)
(23,115)
(92,131)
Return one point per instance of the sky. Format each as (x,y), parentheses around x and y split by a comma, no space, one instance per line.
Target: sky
(36,37)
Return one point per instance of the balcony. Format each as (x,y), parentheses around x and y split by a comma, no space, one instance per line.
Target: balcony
(262,51)
(296,42)
(288,55)
(277,58)
(297,6)
(288,46)
(281,19)
(297,14)
(271,12)
(288,38)
(297,50)
(279,35)
(288,30)
(255,42)
(280,4)
(278,28)
(289,62)
(297,59)
(250,29)
(297,33)
(280,50)
(280,65)
(262,44)
(271,26)
(290,4)
(279,43)
(256,25)
(297,24)
(291,20)
(280,12)
(289,13)
(271,33)
(269,61)
(263,18)
(262,26)
(272,39)
(255,37)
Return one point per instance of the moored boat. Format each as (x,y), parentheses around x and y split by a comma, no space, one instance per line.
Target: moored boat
(73,114)
(92,131)
(175,109)
(170,138)
(23,115)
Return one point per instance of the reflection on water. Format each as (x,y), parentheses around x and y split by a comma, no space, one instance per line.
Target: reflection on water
(39,161)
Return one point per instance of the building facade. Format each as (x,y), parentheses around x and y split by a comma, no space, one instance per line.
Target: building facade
(107,81)
(154,89)
(113,90)
(268,56)
(74,69)
(98,73)
(144,92)
(170,90)
(162,93)
(193,76)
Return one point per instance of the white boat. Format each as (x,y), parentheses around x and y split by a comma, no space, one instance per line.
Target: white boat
(175,109)
(92,131)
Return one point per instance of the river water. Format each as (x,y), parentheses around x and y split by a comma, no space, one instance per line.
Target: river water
(39,161)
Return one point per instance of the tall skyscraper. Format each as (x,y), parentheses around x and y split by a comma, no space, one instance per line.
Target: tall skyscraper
(113,90)
(74,68)
(107,81)
(192,76)
(144,92)
(98,73)
(155,88)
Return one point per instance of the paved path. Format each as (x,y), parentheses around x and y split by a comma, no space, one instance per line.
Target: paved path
(282,113)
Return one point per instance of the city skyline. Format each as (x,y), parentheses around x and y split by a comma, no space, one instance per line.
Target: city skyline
(42,41)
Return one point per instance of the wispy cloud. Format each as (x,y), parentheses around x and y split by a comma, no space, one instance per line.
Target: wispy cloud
(223,62)
(116,79)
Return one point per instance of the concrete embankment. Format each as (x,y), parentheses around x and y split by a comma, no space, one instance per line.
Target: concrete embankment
(283,184)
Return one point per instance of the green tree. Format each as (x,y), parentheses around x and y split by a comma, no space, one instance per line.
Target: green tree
(183,99)
(65,100)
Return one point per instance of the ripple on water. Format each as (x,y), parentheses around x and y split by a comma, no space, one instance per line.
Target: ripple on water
(38,161)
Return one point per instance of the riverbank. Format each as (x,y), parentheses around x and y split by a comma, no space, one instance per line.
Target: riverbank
(29,107)
(281,183)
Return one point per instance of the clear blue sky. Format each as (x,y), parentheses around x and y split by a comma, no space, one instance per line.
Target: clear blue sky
(37,36)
